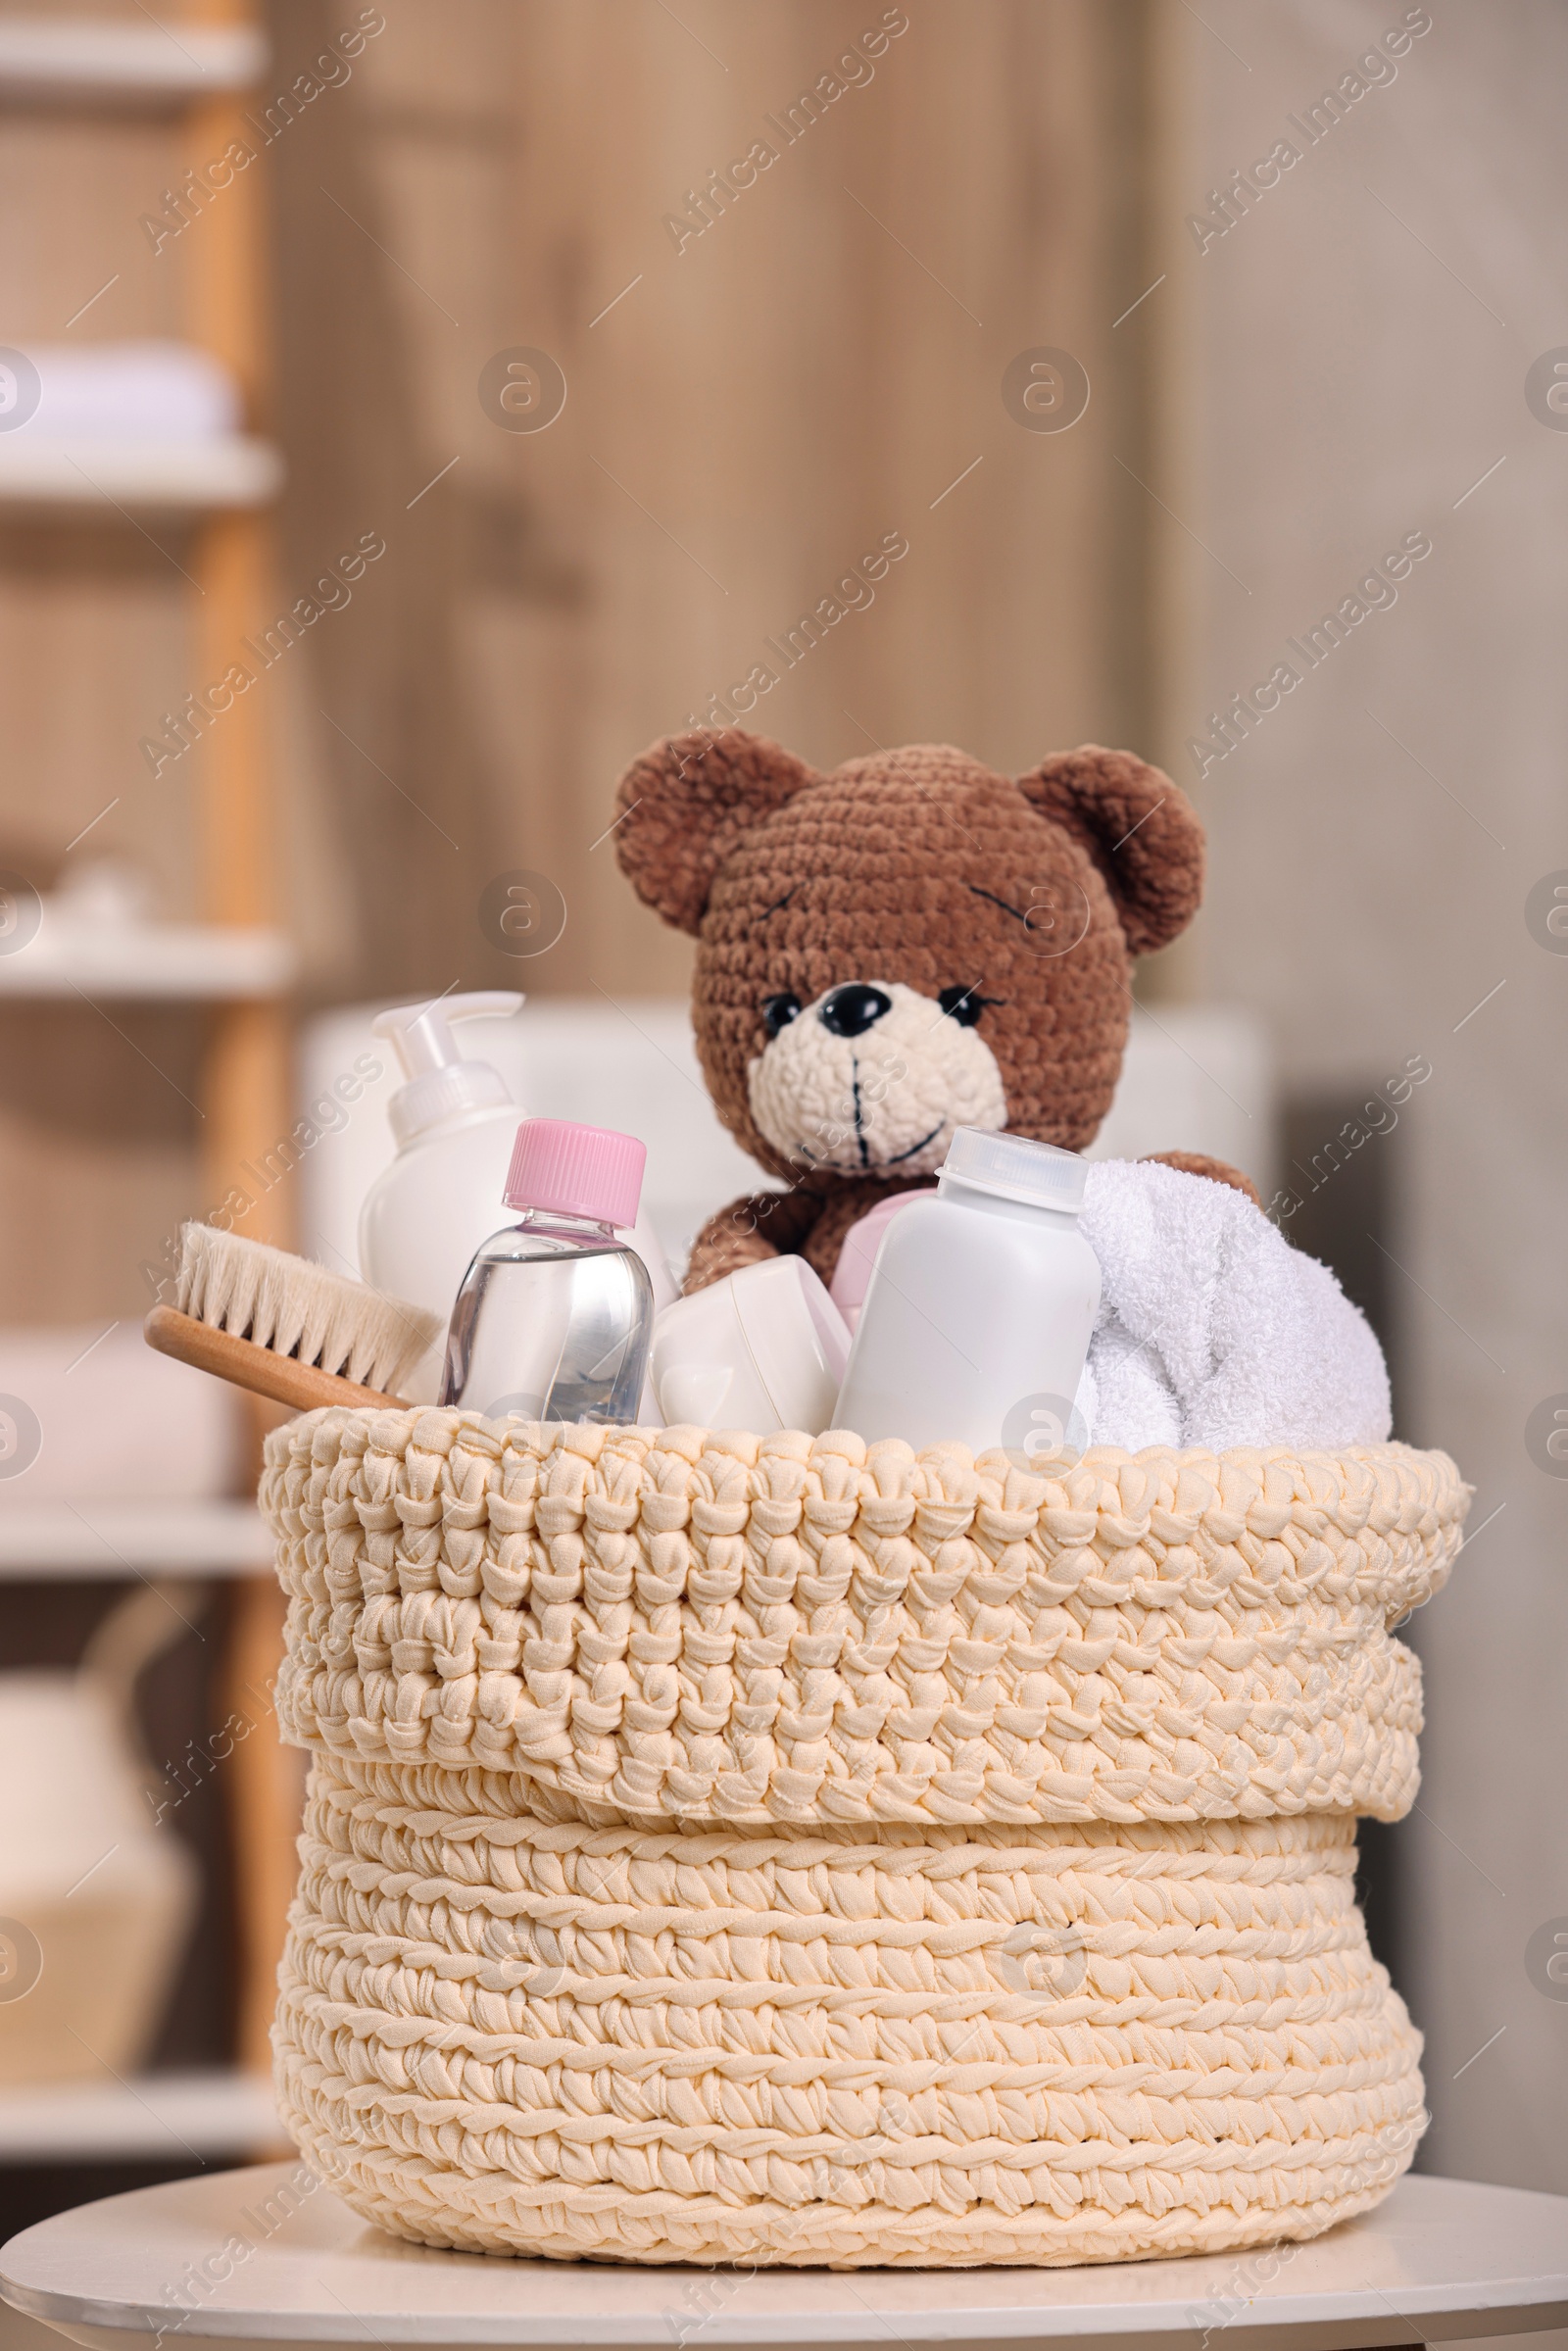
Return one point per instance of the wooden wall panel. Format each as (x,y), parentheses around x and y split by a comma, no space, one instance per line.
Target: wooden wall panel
(744,422)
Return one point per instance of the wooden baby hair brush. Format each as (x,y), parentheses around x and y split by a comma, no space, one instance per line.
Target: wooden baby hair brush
(284,1327)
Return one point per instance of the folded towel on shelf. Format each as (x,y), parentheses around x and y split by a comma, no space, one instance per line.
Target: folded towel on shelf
(132,392)
(1213,1330)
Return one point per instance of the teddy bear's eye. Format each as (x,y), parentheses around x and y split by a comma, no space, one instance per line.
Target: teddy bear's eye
(779,1011)
(964,1005)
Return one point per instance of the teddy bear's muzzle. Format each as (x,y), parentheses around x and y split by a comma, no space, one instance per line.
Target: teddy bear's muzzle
(870,1078)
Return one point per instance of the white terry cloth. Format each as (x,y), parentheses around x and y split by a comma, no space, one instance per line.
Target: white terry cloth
(1213,1331)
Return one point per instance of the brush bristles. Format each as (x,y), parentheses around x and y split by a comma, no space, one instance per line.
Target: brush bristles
(295,1309)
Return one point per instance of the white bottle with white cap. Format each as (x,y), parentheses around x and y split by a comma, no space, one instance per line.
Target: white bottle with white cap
(981,1304)
(455,1124)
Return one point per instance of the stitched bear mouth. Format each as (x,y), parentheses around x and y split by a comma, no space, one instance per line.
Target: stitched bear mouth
(863,1163)
(899,1158)
(887,1095)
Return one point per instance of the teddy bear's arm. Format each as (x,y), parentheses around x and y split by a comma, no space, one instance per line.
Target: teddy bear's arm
(760,1224)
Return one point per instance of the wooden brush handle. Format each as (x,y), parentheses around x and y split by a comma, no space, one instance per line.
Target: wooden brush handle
(245,1365)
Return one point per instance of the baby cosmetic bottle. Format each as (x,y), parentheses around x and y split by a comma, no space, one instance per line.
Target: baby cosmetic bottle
(981,1304)
(455,1124)
(556,1314)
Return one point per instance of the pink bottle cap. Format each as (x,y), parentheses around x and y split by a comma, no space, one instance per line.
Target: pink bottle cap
(579,1171)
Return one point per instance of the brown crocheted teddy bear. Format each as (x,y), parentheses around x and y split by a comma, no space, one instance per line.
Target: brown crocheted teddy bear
(909,944)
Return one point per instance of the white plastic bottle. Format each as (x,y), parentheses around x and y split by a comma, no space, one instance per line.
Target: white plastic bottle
(442,1196)
(981,1303)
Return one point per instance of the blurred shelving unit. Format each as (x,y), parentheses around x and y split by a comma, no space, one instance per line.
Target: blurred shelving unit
(64,1542)
(166,962)
(234,963)
(67,476)
(71,59)
(155,2119)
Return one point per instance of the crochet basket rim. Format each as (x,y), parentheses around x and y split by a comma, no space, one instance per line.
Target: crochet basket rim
(1334,1490)
(694,1440)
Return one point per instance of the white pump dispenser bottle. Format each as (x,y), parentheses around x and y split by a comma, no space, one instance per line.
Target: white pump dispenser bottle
(455,1123)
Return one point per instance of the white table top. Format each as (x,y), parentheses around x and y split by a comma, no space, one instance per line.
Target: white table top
(1439,2259)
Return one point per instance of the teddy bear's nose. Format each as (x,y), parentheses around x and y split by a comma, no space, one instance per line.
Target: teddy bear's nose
(850,1011)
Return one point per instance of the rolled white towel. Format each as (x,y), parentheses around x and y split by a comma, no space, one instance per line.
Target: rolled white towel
(1213,1330)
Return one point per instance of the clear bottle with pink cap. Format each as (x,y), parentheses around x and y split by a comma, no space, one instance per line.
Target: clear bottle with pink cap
(556,1314)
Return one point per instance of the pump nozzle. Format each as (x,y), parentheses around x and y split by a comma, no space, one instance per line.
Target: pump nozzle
(442,1083)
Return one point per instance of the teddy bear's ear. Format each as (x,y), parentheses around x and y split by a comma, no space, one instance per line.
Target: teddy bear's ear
(683,804)
(1140,828)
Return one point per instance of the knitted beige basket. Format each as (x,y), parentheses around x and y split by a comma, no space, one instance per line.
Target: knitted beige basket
(723,1849)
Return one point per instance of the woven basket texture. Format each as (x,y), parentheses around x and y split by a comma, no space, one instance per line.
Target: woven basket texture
(725,1849)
